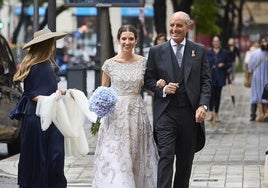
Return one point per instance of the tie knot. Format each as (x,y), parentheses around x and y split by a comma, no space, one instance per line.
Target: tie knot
(179,46)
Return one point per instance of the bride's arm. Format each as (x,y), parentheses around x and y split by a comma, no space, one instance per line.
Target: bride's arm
(105,80)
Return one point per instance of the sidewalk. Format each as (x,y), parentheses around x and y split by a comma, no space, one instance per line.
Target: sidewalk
(233,156)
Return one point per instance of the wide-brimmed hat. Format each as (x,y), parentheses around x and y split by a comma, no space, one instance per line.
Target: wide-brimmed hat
(43,35)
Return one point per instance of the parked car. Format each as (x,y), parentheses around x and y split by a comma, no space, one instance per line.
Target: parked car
(10,92)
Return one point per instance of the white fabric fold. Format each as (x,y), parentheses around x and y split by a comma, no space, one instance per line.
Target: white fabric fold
(45,110)
(68,114)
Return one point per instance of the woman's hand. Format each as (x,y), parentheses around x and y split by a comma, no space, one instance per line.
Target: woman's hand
(62,91)
(220,65)
(161,83)
(59,93)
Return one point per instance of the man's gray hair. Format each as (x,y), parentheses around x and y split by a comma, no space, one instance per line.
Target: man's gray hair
(188,20)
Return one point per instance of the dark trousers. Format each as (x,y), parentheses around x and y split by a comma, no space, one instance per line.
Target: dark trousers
(215,99)
(253,110)
(176,133)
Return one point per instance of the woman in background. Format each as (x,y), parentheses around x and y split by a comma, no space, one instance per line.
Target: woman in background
(160,38)
(258,64)
(218,62)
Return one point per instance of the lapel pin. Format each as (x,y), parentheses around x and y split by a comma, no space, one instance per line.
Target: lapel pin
(193,53)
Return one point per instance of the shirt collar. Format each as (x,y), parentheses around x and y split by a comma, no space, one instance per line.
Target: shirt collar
(173,43)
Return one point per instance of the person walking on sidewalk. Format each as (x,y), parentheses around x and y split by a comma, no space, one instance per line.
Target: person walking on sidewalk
(218,62)
(253,106)
(41,162)
(258,64)
(234,56)
(126,154)
(180,107)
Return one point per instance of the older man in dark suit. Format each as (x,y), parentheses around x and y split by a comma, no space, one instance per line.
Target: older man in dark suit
(180,107)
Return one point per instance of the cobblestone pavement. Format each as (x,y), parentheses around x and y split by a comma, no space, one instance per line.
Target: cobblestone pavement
(233,157)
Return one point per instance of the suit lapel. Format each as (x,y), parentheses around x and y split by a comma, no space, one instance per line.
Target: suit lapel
(166,58)
(189,51)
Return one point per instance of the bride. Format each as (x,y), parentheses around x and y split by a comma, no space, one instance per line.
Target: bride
(126,154)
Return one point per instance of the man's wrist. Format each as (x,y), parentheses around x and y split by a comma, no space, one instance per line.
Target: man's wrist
(164,91)
(205,107)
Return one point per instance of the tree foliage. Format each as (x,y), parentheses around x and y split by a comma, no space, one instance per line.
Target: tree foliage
(25,20)
(221,17)
(1,3)
(205,16)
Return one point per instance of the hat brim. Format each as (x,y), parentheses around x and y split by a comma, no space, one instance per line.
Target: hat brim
(42,38)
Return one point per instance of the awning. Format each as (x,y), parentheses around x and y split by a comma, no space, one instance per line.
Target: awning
(128,12)
(30,10)
(135,12)
(85,11)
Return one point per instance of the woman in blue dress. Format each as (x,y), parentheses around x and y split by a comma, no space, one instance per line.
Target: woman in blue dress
(258,64)
(41,162)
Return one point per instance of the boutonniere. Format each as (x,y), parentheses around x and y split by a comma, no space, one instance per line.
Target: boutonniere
(193,53)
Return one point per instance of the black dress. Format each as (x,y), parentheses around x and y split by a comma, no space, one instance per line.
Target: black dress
(41,162)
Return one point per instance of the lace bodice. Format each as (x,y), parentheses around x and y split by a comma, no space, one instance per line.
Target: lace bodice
(126,78)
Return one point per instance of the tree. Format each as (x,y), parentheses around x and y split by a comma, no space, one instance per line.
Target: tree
(222,17)
(198,10)
(1,3)
(24,19)
(231,19)
(60,9)
(205,16)
(184,5)
(160,16)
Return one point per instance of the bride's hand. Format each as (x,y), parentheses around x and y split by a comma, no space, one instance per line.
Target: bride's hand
(161,83)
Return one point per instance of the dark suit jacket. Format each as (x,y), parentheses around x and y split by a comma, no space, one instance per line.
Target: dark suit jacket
(197,78)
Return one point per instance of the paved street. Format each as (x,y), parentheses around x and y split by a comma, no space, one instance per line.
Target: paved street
(233,157)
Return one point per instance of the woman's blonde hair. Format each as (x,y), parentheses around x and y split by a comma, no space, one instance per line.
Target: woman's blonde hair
(37,53)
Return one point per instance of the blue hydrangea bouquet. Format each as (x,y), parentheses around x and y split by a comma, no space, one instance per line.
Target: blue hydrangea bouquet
(102,102)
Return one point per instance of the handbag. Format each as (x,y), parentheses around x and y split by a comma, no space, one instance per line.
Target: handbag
(265,92)
(249,75)
(247,79)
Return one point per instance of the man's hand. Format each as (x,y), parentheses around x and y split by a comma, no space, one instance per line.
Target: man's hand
(200,114)
(171,88)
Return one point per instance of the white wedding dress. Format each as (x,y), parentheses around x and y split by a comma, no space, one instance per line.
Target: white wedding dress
(126,155)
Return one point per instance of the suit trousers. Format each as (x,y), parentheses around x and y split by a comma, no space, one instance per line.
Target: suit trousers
(176,133)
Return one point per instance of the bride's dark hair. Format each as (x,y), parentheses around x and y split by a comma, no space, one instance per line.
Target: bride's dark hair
(125,28)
